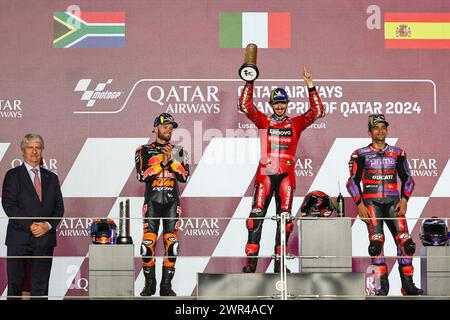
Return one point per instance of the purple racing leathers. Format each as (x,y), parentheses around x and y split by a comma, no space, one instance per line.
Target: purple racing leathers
(378,170)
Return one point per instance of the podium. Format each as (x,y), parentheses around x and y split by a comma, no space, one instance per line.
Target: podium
(435,271)
(325,274)
(326,243)
(111,270)
(323,285)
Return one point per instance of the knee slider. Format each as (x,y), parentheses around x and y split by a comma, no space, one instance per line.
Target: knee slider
(375,248)
(254,223)
(409,246)
(148,246)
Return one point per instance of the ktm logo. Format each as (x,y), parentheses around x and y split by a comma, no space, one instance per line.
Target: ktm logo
(163,183)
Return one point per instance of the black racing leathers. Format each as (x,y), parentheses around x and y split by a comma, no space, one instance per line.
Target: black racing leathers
(162,198)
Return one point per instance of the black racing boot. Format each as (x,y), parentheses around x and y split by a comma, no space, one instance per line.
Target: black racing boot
(150,282)
(166,282)
(384,286)
(409,288)
(277,267)
(250,267)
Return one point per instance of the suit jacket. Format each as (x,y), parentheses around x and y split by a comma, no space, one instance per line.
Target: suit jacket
(20,199)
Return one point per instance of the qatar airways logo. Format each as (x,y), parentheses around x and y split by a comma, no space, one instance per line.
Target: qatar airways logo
(304,167)
(50,164)
(198,227)
(74,227)
(11,108)
(421,167)
(99,93)
(190,99)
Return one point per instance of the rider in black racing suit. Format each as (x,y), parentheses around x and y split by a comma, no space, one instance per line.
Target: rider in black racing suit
(161,166)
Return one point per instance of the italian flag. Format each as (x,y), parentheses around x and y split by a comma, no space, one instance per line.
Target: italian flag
(265,29)
(417,30)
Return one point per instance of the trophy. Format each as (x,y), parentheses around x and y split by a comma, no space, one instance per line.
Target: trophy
(124,223)
(248,71)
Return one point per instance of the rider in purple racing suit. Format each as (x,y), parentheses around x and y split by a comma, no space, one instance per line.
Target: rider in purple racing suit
(378,165)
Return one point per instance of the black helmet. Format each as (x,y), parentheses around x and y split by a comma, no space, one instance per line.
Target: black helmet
(104,231)
(434,232)
(317,204)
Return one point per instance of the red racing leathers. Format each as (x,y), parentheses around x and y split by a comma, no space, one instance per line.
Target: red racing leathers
(275,174)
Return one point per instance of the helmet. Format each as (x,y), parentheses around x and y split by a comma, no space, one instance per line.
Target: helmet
(317,204)
(278,95)
(376,118)
(165,118)
(434,232)
(103,231)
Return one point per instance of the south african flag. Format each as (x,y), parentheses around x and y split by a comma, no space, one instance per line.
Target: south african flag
(89,30)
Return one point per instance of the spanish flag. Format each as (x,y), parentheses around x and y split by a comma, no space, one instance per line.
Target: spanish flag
(417,30)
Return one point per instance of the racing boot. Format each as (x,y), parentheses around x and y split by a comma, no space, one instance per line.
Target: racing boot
(251,250)
(384,286)
(277,267)
(166,282)
(250,267)
(150,282)
(408,286)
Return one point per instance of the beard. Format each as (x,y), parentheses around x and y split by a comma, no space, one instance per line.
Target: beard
(379,138)
(165,138)
(280,115)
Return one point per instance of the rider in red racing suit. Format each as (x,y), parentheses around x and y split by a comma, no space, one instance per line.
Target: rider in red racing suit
(161,166)
(275,174)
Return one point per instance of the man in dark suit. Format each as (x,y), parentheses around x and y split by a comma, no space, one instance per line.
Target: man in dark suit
(32,199)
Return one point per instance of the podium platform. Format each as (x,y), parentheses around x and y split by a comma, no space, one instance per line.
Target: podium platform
(325,285)
(435,271)
(111,270)
(326,243)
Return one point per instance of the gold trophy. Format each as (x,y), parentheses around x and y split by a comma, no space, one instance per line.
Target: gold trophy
(248,71)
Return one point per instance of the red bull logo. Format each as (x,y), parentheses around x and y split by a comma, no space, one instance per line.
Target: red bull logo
(155,159)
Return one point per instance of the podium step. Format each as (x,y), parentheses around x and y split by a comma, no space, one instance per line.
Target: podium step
(326,285)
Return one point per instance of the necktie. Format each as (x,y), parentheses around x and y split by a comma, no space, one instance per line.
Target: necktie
(37,183)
